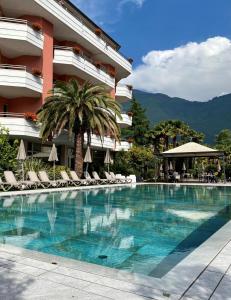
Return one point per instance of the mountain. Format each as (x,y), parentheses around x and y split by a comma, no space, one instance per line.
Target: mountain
(208,117)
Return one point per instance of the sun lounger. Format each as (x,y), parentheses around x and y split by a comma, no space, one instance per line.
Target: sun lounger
(121,178)
(66,177)
(34,178)
(75,177)
(44,177)
(4,186)
(100,180)
(89,179)
(20,185)
(109,178)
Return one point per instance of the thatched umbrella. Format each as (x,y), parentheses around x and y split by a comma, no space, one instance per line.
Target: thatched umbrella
(88,158)
(53,157)
(21,156)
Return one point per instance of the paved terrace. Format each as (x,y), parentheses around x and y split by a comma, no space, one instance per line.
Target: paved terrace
(204,274)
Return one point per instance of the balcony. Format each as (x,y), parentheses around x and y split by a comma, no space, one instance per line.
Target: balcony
(123,93)
(68,62)
(108,143)
(17,37)
(18,126)
(123,146)
(68,23)
(16,81)
(126,120)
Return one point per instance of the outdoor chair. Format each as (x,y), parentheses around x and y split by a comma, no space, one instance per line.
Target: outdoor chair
(89,179)
(109,178)
(100,180)
(34,178)
(4,186)
(75,177)
(121,178)
(66,177)
(44,178)
(20,185)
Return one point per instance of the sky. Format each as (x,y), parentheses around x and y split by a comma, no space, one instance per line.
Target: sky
(180,47)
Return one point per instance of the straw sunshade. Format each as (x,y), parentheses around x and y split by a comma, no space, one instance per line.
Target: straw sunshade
(21,156)
(53,157)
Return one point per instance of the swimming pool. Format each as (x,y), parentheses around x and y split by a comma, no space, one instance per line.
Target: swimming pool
(143,229)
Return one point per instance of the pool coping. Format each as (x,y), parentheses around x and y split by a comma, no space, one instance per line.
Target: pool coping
(171,286)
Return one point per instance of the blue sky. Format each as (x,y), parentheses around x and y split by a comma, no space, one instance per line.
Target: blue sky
(150,30)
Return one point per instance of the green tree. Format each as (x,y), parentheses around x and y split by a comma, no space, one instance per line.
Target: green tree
(80,109)
(138,160)
(8,151)
(140,125)
(223,142)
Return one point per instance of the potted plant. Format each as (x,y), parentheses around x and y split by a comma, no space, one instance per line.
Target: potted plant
(130,60)
(77,50)
(36,27)
(112,73)
(98,31)
(36,72)
(29,116)
(98,64)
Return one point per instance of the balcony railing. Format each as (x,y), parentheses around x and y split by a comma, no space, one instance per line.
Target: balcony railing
(83,62)
(100,44)
(11,115)
(62,3)
(19,81)
(21,68)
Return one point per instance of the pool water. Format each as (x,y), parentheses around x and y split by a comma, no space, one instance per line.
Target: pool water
(143,229)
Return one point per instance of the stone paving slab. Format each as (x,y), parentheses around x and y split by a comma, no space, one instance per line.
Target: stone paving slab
(204,286)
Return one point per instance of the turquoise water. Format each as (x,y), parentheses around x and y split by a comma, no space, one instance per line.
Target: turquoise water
(144,229)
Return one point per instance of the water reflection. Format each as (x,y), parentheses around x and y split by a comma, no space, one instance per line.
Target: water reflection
(132,229)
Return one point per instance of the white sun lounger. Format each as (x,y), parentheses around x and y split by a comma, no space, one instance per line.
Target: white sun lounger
(44,177)
(66,177)
(74,176)
(21,185)
(100,180)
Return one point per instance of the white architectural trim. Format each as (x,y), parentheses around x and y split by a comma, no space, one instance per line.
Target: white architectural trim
(68,57)
(20,30)
(73,23)
(17,76)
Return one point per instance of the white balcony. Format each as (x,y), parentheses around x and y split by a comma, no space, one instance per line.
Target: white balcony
(67,62)
(16,82)
(126,120)
(123,93)
(107,143)
(67,25)
(18,126)
(123,146)
(17,37)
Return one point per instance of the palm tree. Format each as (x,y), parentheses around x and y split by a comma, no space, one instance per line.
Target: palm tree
(79,109)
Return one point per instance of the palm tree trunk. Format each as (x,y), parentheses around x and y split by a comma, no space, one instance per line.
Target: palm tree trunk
(79,141)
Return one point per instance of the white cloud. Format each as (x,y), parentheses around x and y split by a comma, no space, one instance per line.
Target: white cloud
(196,71)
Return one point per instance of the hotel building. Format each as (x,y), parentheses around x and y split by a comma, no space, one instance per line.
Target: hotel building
(46,40)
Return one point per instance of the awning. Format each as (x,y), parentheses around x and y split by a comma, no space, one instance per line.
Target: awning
(192,149)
